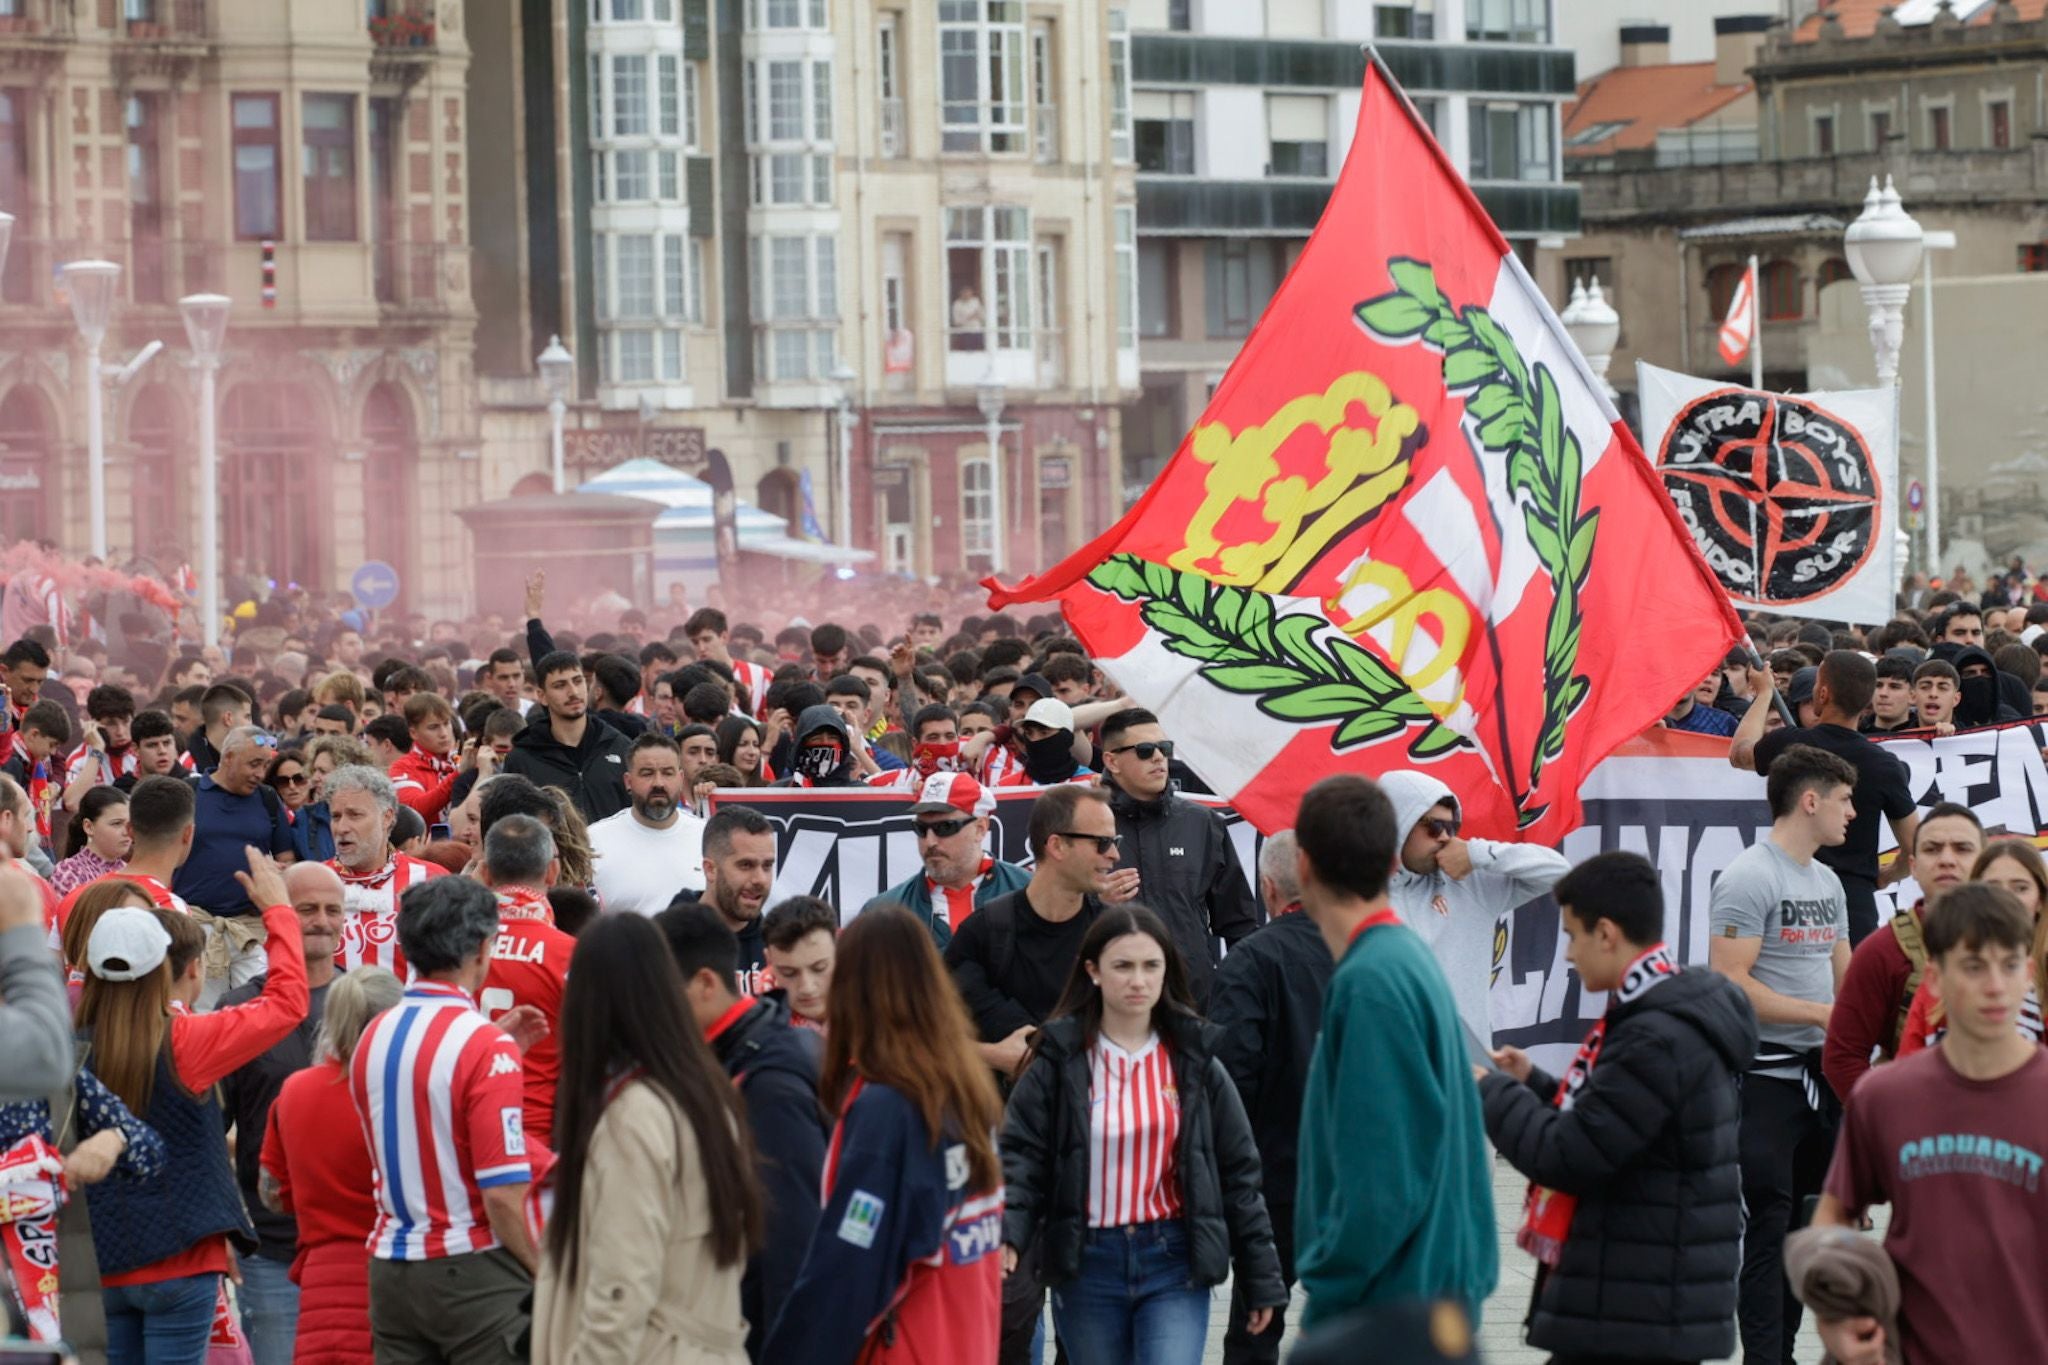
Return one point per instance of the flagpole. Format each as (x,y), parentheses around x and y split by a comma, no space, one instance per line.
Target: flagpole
(1756,326)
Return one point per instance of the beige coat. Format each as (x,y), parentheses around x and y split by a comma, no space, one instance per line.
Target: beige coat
(646,1288)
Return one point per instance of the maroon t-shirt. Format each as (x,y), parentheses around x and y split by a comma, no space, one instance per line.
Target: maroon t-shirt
(1960,1163)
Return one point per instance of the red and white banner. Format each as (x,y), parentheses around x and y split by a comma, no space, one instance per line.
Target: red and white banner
(1738,329)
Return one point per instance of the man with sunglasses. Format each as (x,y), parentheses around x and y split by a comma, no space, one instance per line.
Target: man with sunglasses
(1187,868)
(1452,891)
(959,876)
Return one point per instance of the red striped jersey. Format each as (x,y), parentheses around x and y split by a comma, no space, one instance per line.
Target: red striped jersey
(957,901)
(997,764)
(369,936)
(750,687)
(123,762)
(438,1089)
(1133,1133)
(530,966)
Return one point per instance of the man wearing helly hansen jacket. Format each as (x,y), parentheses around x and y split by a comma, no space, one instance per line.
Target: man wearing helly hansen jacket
(1453,891)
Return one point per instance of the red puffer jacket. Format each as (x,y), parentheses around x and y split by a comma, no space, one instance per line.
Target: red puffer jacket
(334,1305)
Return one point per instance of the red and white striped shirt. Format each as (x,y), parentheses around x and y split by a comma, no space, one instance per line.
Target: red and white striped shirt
(957,901)
(438,1089)
(369,936)
(997,764)
(750,686)
(1133,1132)
(123,764)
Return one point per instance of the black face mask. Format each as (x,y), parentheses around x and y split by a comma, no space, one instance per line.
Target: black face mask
(1979,705)
(1050,759)
(819,761)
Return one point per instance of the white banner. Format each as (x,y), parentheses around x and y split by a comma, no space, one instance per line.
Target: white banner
(1790,497)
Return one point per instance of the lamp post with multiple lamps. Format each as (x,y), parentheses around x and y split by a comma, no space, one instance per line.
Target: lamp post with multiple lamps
(989,394)
(206,327)
(1886,249)
(558,373)
(90,285)
(1594,327)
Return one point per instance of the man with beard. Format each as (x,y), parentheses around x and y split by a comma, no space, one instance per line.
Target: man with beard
(739,872)
(951,816)
(269,1299)
(654,848)
(564,746)
(362,807)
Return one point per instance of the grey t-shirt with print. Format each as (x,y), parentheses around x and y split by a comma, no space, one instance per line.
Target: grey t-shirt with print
(1800,913)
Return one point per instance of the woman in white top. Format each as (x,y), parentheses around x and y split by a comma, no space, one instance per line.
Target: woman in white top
(1128,1160)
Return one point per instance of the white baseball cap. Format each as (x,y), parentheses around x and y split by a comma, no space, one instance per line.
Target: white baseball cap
(1052,713)
(127,944)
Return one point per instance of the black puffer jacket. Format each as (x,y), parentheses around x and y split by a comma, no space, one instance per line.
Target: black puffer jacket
(1045,1163)
(1650,1150)
(1189,875)
(593,773)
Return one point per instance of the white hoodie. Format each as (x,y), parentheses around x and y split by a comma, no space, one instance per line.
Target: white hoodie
(1457,919)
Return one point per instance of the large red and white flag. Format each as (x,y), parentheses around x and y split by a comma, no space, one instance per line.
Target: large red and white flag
(1409,530)
(1738,329)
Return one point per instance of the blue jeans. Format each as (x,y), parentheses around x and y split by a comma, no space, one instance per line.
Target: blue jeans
(270,1309)
(166,1323)
(1134,1302)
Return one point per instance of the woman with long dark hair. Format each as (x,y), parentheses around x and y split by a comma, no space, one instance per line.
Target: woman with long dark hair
(739,743)
(1128,1159)
(656,1206)
(903,1264)
(96,841)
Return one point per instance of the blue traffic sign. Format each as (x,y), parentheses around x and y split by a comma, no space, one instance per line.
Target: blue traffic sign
(375,585)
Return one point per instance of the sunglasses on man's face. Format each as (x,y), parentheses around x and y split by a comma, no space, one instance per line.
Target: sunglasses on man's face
(941,829)
(1105,844)
(1148,750)
(1447,828)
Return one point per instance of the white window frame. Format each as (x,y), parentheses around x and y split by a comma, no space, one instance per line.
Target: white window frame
(1045,106)
(895,137)
(1005,269)
(1125,220)
(1001,125)
(977,507)
(1122,148)
(1990,99)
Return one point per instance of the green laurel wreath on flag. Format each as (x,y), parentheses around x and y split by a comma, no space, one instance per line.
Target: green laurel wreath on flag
(1295,672)
(1520,415)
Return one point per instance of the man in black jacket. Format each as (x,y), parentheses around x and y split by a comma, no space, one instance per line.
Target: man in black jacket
(775,1065)
(1188,872)
(1267,1006)
(1636,1215)
(564,746)
(269,1299)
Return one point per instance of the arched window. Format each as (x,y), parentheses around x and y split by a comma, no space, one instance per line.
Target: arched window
(390,485)
(1721,282)
(1783,298)
(1834,270)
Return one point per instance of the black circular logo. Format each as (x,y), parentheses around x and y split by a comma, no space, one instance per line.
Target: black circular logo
(1780,495)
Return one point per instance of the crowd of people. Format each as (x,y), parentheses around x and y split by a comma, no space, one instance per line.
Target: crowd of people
(418,990)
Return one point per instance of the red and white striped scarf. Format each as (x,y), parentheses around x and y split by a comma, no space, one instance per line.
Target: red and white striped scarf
(957,901)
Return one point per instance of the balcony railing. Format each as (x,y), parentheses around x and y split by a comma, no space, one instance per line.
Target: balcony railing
(29,20)
(403,26)
(892,129)
(164,20)
(162,272)
(423,277)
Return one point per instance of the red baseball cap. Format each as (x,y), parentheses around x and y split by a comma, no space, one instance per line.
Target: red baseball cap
(946,793)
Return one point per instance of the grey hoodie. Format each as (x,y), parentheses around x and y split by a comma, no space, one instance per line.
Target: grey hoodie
(1457,918)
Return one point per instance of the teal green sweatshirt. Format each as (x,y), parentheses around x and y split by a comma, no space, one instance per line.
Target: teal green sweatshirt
(1395,1193)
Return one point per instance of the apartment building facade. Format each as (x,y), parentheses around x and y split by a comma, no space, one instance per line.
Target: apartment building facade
(1242,115)
(821,239)
(187,141)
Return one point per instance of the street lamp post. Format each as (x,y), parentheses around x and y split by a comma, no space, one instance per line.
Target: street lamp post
(91,287)
(1595,328)
(1884,247)
(989,394)
(558,372)
(206,326)
(844,377)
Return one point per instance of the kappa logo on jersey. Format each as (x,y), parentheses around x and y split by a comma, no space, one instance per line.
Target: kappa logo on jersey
(505,1064)
(513,1120)
(862,1221)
